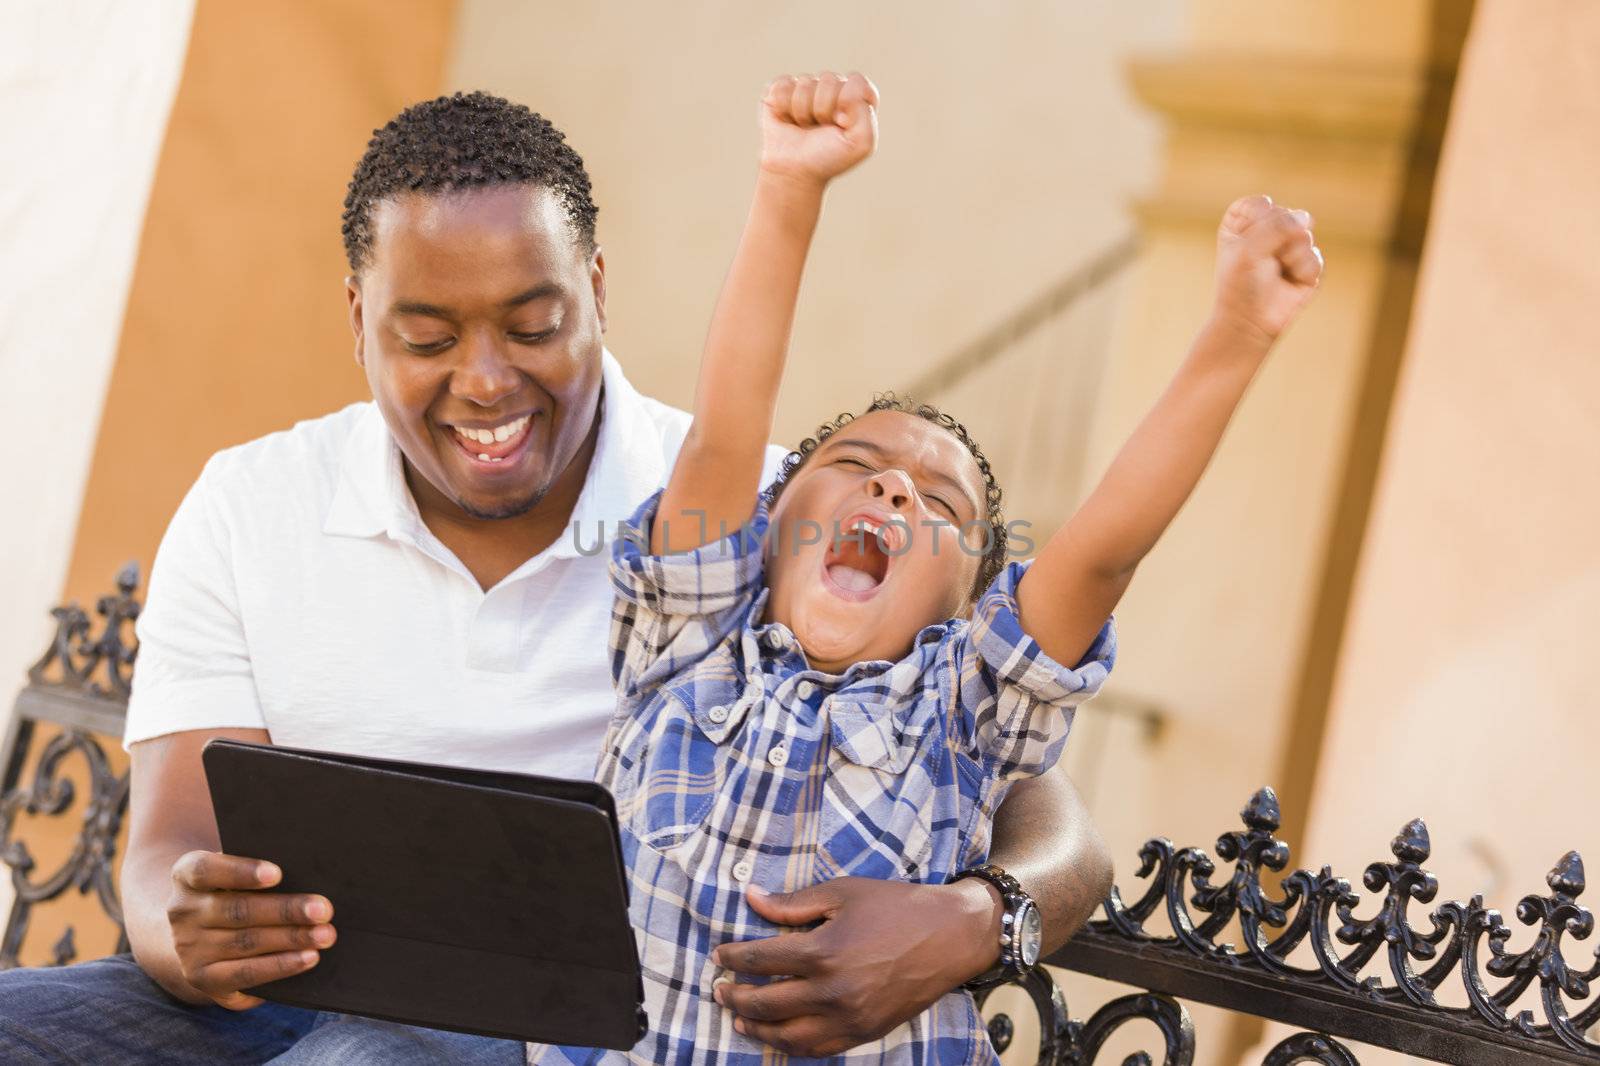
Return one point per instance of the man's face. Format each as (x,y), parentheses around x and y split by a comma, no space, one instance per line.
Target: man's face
(478,320)
(853,598)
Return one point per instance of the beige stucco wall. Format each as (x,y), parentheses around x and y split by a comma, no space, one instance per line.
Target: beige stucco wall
(87,88)
(1011,147)
(235,320)
(1465,693)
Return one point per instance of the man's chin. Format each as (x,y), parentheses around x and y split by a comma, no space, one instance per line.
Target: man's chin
(494,510)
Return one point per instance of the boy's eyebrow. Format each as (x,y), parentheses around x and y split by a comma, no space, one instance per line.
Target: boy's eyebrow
(932,475)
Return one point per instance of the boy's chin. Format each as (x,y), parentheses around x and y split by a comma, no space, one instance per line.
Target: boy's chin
(834,640)
(834,636)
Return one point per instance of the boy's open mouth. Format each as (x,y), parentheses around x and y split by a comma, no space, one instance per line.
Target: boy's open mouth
(858,559)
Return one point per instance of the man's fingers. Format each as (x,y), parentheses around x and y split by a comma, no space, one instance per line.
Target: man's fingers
(806,1036)
(787,954)
(811,904)
(236,910)
(268,940)
(773,1002)
(209,871)
(222,979)
(238,1001)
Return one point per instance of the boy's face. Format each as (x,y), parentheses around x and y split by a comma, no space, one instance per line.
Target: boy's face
(853,598)
(480,315)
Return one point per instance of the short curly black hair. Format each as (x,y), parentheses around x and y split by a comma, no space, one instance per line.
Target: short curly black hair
(994,559)
(460,142)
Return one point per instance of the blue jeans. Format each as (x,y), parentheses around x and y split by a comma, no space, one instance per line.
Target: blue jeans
(108,1011)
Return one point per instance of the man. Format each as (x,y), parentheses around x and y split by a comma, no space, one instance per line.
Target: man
(418,578)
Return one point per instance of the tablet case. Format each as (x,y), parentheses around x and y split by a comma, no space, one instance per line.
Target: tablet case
(483,902)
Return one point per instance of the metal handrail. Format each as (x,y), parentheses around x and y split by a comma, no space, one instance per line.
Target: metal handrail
(1047,305)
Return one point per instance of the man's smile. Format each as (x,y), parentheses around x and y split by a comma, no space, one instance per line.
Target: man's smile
(491,445)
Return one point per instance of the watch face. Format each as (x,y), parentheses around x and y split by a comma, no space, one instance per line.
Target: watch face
(1030,936)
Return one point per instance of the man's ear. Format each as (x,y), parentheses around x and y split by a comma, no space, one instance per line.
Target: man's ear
(352,291)
(597,278)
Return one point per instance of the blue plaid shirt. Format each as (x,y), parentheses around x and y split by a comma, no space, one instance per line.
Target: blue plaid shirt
(734,763)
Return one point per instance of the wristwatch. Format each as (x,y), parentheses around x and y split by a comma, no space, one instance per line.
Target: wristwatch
(1021,928)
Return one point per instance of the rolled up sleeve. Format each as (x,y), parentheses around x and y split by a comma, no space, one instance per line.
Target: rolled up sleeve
(1014,703)
(672,609)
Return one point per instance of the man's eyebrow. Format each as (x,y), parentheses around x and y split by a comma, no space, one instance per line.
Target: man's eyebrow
(544,290)
(933,475)
(417,307)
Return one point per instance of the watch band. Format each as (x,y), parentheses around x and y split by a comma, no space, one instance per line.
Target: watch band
(1017,903)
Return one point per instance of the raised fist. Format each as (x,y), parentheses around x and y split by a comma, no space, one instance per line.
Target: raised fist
(1268,265)
(816,127)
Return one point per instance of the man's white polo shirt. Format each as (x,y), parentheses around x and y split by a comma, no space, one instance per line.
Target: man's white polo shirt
(297,590)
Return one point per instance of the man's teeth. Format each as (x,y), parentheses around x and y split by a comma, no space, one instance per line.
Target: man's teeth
(497,435)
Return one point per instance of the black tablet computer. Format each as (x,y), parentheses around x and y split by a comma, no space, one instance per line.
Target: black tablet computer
(483,902)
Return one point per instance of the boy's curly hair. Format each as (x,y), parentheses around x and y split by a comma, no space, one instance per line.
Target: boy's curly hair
(994,560)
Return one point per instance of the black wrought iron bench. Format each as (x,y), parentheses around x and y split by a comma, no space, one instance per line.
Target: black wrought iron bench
(1306,958)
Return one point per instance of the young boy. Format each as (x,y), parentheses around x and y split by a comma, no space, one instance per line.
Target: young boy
(801,699)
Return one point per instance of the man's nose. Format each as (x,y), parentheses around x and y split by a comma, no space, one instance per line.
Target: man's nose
(892,487)
(484,375)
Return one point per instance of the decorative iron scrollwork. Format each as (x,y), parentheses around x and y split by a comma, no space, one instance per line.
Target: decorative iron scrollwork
(1169,1016)
(1064,1042)
(1466,939)
(78,656)
(83,673)
(1310,1047)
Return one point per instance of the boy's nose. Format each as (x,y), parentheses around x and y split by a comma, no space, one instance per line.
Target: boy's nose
(892,487)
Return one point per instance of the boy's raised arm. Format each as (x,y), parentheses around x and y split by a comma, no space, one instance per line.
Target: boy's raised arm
(1268,265)
(813,129)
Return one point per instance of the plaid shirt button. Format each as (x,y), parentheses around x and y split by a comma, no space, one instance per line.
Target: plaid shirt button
(719,713)
(805,690)
(778,755)
(742,870)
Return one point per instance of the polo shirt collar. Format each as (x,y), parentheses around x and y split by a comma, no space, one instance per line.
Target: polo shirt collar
(628,464)
(372,497)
